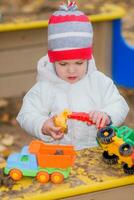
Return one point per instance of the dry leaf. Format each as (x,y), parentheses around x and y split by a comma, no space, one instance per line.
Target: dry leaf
(2,148)
(5,117)
(3,103)
(8,140)
(2,160)
(35,6)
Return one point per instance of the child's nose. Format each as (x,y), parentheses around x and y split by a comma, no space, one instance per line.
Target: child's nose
(71,69)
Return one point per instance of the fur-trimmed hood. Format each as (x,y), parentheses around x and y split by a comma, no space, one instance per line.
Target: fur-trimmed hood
(46,70)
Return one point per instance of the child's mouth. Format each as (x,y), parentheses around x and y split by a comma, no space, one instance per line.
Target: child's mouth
(72,78)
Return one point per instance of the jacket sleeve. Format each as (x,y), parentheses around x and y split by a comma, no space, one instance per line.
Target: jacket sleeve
(33,114)
(113,103)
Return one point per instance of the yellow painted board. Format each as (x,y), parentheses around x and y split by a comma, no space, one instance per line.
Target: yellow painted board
(111,12)
(89,174)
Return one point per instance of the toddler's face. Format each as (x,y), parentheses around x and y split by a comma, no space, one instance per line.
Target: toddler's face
(71,70)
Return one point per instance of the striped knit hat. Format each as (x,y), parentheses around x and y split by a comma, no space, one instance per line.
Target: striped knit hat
(70,34)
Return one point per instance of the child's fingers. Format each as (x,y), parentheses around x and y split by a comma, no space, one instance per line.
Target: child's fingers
(94,117)
(104,121)
(56,132)
(91,114)
(99,120)
(55,129)
(57,135)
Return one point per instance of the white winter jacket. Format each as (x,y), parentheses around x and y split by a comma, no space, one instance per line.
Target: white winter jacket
(51,95)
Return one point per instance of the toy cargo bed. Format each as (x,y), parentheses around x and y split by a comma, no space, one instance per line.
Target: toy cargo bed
(57,156)
(88,176)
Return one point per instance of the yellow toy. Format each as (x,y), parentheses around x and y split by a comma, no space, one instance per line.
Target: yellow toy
(118,147)
(61,120)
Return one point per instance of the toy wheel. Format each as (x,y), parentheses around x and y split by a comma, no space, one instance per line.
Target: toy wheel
(15,174)
(43,177)
(109,159)
(57,177)
(125,149)
(128,170)
(105,135)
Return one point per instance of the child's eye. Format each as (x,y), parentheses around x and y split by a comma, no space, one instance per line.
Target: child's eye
(79,63)
(62,64)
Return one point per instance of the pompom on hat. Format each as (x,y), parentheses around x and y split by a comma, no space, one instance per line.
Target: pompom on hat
(70,34)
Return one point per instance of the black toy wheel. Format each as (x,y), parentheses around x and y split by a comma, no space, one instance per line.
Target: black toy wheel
(128,170)
(109,159)
(125,149)
(105,135)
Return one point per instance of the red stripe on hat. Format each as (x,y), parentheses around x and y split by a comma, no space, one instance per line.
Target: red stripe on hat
(84,53)
(68,18)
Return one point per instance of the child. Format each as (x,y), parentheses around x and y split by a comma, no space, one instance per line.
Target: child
(68,78)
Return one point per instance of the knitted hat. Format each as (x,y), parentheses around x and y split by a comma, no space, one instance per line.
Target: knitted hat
(70,34)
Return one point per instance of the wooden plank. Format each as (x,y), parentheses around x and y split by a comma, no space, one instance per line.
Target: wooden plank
(20,59)
(103,46)
(122,193)
(17,84)
(9,40)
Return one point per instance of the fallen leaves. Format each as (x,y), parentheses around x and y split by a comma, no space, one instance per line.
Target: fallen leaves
(3,103)
(7,140)
(34,6)
(5,180)
(2,148)
(9,108)
(5,117)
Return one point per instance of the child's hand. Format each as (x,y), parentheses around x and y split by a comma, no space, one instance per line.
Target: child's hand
(100,119)
(50,129)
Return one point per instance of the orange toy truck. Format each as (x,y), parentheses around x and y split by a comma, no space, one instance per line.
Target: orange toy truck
(43,161)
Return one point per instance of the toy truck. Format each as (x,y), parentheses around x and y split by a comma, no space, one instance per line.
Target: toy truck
(118,146)
(43,161)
